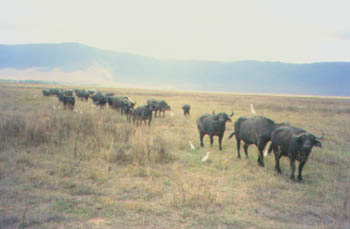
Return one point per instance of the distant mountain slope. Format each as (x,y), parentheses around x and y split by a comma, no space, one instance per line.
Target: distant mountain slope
(331,78)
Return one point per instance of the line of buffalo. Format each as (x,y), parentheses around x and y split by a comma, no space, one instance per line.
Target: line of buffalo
(286,140)
(124,104)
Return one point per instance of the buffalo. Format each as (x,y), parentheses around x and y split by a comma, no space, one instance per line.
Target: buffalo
(186,108)
(68,92)
(82,94)
(52,91)
(213,125)
(159,106)
(127,107)
(143,113)
(154,104)
(68,102)
(256,130)
(116,102)
(162,107)
(46,92)
(99,99)
(294,143)
(112,101)
(60,95)
(124,104)
(91,92)
(55,91)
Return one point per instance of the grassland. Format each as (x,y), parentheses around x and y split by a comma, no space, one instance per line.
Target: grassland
(89,168)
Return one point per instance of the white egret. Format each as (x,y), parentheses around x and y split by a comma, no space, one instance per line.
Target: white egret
(252,109)
(206,157)
(191,145)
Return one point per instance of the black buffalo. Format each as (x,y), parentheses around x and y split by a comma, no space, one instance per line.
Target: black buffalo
(294,143)
(68,102)
(186,108)
(60,95)
(115,102)
(143,113)
(99,99)
(46,92)
(154,104)
(124,104)
(68,92)
(127,107)
(91,92)
(213,125)
(112,100)
(159,106)
(52,91)
(256,130)
(162,107)
(82,94)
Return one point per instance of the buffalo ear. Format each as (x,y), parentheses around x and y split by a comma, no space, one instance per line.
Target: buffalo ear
(299,139)
(318,144)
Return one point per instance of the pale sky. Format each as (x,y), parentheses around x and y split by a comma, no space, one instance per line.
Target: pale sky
(265,30)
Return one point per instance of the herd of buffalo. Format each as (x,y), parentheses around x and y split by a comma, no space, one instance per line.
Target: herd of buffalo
(286,140)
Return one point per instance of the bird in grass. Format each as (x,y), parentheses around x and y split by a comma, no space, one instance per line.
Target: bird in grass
(191,145)
(206,157)
(252,109)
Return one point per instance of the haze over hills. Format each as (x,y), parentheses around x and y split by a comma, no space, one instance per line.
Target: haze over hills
(78,63)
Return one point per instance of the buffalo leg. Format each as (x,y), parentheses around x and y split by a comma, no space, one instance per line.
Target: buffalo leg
(292,167)
(301,165)
(261,153)
(238,147)
(246,150)
(220,141)
(201,136)
(277,161)
(211,140)
(261,159)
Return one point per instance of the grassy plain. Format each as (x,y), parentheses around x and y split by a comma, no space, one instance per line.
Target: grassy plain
(89,168)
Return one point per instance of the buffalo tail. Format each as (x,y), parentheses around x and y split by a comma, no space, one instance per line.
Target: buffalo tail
(231,135)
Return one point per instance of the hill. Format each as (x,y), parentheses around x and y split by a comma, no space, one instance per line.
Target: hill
(78,63)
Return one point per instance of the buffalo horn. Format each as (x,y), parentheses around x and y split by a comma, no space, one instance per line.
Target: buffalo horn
(321,135)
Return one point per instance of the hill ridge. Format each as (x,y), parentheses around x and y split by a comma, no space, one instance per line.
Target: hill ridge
(319,78)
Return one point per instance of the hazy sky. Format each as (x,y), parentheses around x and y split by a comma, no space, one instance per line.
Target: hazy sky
(267,30)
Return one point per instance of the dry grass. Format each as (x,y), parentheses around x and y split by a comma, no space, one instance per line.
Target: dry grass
(92,169)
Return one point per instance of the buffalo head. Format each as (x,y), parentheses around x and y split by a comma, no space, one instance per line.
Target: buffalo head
(308,140)
(222,116)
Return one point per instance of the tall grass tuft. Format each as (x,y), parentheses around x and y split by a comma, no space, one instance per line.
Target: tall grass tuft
(10,127)
(91,135)
(141,146)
